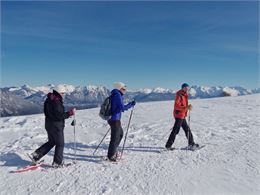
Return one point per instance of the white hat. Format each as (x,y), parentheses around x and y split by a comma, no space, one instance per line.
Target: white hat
(60,89)
(119,85)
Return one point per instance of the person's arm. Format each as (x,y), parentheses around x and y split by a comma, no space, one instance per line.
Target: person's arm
(127,106)
(120,103)
(58,111)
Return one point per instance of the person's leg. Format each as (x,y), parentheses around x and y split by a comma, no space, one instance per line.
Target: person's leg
(120,132)
(175,131)
(59,142)
(119,138)
(44,149)
(115,136)
(187,131)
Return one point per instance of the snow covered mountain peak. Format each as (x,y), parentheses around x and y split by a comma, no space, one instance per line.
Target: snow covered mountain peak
(160,90)
(91,96)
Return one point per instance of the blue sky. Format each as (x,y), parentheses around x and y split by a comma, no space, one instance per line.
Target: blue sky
(144,44)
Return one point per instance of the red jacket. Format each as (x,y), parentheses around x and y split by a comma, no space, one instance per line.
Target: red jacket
(181,105)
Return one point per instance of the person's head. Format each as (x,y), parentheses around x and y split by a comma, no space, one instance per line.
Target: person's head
(120,86)
(185,87)
(61,89)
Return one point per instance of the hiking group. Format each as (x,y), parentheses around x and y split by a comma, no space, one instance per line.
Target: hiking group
(111,110)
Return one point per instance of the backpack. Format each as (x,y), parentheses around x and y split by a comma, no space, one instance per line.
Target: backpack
(105,110)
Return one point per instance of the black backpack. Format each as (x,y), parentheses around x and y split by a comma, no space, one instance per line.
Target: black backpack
(105,110)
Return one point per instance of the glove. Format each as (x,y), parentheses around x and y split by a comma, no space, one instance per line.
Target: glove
(189,107)
(133,103)
(72,111)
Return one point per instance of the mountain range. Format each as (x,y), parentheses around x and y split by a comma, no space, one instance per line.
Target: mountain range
(29,100)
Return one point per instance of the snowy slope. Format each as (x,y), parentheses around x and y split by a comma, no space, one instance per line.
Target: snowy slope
(229,164)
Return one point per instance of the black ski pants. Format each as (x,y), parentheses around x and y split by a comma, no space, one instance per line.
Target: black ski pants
(116,137)
(175,130)
(55,133)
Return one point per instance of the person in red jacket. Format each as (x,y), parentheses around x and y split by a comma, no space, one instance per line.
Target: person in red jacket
(181,108)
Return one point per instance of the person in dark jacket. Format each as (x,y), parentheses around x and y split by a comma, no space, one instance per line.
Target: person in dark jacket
(181,107)
(54,124)
(117,107)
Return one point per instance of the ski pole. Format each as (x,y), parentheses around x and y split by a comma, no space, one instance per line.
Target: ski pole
(75,146)
(127,131)
(101,141)
(189,118)
(189,128)
(74,132)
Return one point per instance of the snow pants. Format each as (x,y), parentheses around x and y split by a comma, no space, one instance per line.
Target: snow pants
(116,137)
(175,130)
(55,133)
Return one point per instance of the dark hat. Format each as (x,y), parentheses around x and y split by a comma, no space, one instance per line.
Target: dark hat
(184,85)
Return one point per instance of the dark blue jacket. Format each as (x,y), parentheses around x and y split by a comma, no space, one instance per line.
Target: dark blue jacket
(117,105)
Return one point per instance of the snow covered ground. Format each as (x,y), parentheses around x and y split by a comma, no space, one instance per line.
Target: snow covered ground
(229,164)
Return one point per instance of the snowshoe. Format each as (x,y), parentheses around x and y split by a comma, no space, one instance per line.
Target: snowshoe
(194,147)
(170,148)
(34,157)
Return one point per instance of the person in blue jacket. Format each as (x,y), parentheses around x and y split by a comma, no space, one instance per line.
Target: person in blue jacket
(117,107)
